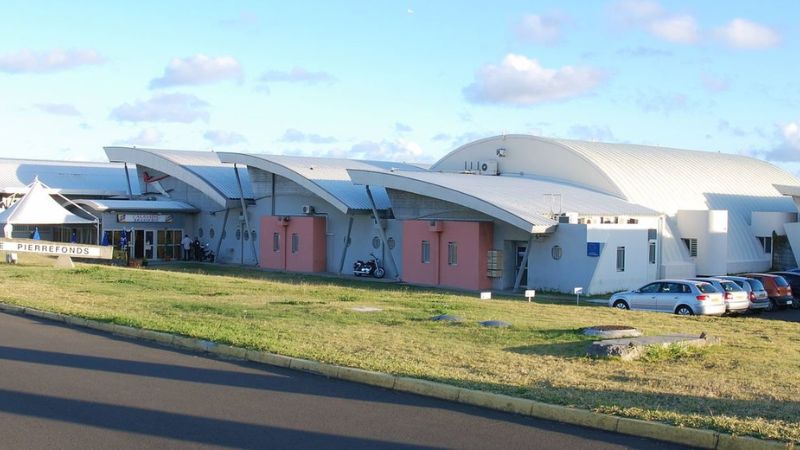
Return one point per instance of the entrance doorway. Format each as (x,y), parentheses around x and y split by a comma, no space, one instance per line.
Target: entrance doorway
(144,244)
(520,253)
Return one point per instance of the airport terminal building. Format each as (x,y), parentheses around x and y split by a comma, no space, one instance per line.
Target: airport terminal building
(500,213)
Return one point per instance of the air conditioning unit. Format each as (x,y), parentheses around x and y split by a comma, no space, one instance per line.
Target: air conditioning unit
(308,209)
(488,167)
(568,217)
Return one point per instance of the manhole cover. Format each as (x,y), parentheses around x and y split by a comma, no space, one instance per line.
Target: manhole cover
(495,324)
(446,318)
(612,331)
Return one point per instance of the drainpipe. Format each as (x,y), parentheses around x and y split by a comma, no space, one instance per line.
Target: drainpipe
(520,269)
(244,213)
(346,244)
(380,230)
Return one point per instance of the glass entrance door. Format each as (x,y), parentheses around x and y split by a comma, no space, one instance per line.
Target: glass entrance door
(149,244)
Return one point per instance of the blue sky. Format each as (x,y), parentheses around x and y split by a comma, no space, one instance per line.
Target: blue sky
(408,81)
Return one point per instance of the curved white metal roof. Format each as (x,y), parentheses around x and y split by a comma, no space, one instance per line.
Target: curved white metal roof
(663,179)
(201,170)
(326,177)
(520,201)
(138,205)
(66,177)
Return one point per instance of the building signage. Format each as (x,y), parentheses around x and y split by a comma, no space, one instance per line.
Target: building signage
(57,249)
(592,249)
(144,218)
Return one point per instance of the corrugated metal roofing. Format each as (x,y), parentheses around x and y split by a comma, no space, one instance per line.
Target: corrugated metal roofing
(67,178)
(529,199)
(326,177)
(138,205)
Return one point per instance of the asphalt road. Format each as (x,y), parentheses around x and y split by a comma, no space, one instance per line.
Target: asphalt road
(63,387)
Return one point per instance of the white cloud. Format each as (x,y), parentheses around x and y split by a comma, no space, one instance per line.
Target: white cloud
(293,135)
(58,109)
(183,108)
(542,29)
(198,69)
(650,16)
(681,29)
(441,137)
(522,81)
(147,137)
(744,34)
(788,147)
(296,75)
(27,61)
(395,150)
(713,84)
(222,138)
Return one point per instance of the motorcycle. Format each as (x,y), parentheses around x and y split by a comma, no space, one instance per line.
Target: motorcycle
(370,267)
(205,253)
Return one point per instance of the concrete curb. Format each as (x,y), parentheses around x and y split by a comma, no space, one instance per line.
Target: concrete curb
(654,430)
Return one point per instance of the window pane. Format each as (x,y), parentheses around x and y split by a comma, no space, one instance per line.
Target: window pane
(276,242)
(295,242)
(426,251)
(620,259)
(452,253)
(652,255)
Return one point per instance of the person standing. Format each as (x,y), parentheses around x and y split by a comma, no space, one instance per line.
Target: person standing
(186,243)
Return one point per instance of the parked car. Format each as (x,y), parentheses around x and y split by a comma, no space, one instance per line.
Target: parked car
(793,278)
(778,290)
(757,295)
(684,297)
(736,299)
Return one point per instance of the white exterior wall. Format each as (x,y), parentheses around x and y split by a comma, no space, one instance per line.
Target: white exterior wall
(765,223)
(638,268)
(710,228)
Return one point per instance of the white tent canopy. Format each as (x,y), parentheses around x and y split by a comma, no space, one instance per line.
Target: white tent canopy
(38,208)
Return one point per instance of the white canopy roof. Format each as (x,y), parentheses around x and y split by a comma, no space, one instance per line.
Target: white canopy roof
(38,208)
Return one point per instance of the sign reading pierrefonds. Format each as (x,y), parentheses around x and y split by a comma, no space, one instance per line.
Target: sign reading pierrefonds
(144,218)
(57,249)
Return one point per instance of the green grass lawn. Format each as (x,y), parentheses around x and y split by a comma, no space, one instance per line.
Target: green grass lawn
(749,385)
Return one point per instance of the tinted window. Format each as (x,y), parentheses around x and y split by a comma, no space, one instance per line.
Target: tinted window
(650,288)
(781,282)
(730,286)
(673,288)
(756,285)
(706,288)
(742,284)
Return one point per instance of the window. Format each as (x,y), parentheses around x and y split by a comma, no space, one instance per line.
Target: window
(766,243)
(376,242)
(295,242)
(253,234)
(452,253)
(391,243)
(691,245)
(276,242)
(620,259)
(426,251)
(211,233)
(556,252)
(651,288)
(652,250)
(200,232)
(238,234)
(246,235)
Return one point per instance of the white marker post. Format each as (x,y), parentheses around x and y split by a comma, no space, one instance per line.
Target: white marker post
(529,294)
(486,295)
(578,291)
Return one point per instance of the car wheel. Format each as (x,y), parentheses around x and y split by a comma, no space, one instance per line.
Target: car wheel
(684,310)
(772,306)
(619,304)
(795,304)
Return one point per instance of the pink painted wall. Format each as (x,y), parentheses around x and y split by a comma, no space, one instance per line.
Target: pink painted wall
(473,239)
(311,252)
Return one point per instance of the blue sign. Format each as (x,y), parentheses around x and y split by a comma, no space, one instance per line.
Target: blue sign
(592,249)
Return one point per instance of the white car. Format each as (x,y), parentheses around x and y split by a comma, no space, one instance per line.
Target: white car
(736,298)
(683,297)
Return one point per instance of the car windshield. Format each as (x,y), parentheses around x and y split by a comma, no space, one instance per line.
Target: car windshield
(706,288)
(730,286)
(781,282)
(756,285)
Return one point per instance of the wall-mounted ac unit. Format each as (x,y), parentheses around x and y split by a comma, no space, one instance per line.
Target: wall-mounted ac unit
(308,209)
(487,167)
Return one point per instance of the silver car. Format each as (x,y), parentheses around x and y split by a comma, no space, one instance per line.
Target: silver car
(736,299)
(757,295)
(684,297)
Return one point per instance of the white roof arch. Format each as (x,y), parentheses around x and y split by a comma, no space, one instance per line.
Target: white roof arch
(201,170)
(327,178)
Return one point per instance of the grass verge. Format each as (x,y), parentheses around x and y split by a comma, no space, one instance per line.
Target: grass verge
(749,385)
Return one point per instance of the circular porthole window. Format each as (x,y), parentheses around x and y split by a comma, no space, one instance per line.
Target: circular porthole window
(246,235)
(376,242)
(253,234)
(556,252)
(200,232)
(211,233)
(238,234)
(391,243)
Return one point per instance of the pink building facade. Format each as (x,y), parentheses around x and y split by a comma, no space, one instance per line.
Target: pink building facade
(293,243)
(447,253)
